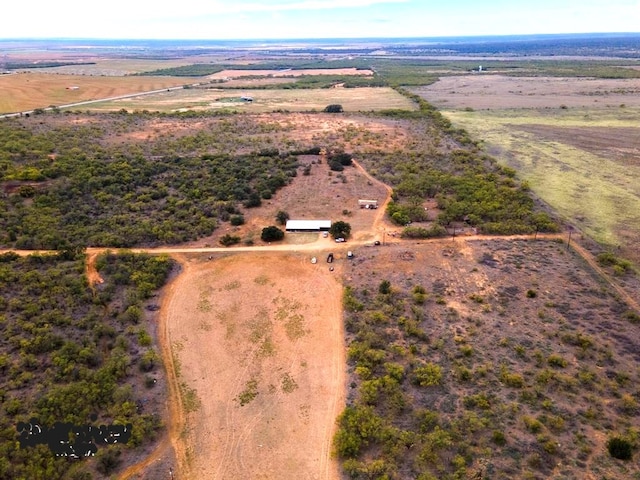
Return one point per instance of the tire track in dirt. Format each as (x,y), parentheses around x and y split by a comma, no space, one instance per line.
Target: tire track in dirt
(338,372)
(231,444)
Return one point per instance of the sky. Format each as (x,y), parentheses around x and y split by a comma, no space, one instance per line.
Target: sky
(287,19)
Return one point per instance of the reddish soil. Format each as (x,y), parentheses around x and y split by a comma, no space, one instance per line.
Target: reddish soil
(274,320)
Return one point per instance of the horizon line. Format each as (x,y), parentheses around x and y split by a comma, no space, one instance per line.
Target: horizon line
(290,39)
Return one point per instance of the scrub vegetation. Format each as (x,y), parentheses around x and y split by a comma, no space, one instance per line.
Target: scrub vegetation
(457,371)
(79,356)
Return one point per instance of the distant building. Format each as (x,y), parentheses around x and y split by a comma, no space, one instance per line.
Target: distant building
(308,225)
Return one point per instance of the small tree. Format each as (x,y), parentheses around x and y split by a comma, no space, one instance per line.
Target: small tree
(334,108)
(340,229)
(271,234)
(282,217)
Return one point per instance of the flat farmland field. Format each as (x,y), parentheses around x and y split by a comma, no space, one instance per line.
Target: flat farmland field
(117,66)
(26,91)
(574,140)
(494,92)
(296,100)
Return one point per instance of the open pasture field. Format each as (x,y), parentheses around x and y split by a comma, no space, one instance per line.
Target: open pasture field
(574,140)
(259,344)
(116,67)
(197,99)
(26,91)
(494,92)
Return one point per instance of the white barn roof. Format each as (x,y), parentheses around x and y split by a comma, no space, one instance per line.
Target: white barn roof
(308,225)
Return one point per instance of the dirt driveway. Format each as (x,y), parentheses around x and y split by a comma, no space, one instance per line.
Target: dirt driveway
(258,345)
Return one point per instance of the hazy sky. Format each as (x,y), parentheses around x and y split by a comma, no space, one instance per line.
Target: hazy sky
(254,19)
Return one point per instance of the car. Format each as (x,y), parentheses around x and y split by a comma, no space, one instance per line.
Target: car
(340,240)
(349,254)
(325,234)
(314,260)
(330,258)
(377,242)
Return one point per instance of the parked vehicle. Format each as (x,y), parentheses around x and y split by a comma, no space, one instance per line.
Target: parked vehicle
(349,254)
(340,240)
(330,258)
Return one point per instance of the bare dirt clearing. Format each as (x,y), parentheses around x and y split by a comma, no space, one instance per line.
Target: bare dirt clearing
(258,342)
(498,92)
(318,196)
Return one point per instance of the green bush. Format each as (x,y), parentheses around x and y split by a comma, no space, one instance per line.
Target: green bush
(557,361)
(227,240)
(428,375)
(620,448)
(236,220)
(434,231)
(384,287)
(498,437)
(271,234)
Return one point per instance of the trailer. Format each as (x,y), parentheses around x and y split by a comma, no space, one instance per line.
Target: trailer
(372,204)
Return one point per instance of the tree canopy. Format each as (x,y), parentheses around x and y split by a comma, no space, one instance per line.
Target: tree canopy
(340,229)
(271,234)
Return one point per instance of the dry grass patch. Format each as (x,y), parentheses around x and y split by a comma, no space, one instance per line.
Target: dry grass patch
(295,100)
(587,167)
(27,91)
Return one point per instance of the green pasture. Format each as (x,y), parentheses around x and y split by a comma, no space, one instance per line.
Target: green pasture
(599,195)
